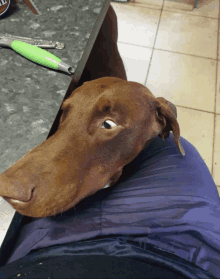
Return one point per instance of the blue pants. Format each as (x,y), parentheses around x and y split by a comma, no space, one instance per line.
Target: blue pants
(162,198)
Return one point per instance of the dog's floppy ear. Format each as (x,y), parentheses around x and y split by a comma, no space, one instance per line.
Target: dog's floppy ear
(167,117)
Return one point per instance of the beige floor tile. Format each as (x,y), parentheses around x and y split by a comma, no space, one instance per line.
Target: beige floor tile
(219,43)
(188,34)
(178,5)
(6,214)
(136,61)
(216,170)
(155,4)
(186,81)
(207,8)
(197,127)
(136,25)
(218,90)
(218,187)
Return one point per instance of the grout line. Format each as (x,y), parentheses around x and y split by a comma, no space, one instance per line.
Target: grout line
(216,82)
(187,54)
(153,48)
(172,10)
(180,12)
(144,7)
(198,110)
(145,82)
(171,51)
(216,92)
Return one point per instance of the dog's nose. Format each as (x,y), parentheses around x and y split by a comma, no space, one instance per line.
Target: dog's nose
(19,198)
(20,202)
(19,191)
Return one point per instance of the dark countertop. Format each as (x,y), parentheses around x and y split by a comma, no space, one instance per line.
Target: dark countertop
(31,95)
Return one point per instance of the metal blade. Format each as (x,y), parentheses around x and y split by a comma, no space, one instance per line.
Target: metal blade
(32,6)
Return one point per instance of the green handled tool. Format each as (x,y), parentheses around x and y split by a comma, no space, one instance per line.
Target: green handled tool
(30,49)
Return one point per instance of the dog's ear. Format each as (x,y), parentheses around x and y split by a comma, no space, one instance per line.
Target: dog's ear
(167,117)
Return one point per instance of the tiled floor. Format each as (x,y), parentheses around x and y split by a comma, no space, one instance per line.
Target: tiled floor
(176,54)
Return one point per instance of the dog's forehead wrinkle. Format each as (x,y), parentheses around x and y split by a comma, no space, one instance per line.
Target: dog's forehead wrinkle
(109,95)
(122,101)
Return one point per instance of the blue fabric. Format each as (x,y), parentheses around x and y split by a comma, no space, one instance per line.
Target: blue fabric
(162,198)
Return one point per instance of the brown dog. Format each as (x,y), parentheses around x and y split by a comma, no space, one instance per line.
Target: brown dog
(104,125)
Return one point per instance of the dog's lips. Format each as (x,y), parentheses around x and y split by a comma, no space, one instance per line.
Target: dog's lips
(107,185)
(16,202)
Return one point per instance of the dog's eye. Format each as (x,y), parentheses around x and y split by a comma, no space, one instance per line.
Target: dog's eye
(108,124)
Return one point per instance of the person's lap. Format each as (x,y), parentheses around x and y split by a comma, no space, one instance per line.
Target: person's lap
(172,202)
(162,163)
(162,198)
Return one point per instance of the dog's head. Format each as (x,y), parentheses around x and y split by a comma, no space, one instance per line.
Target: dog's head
(104,125)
